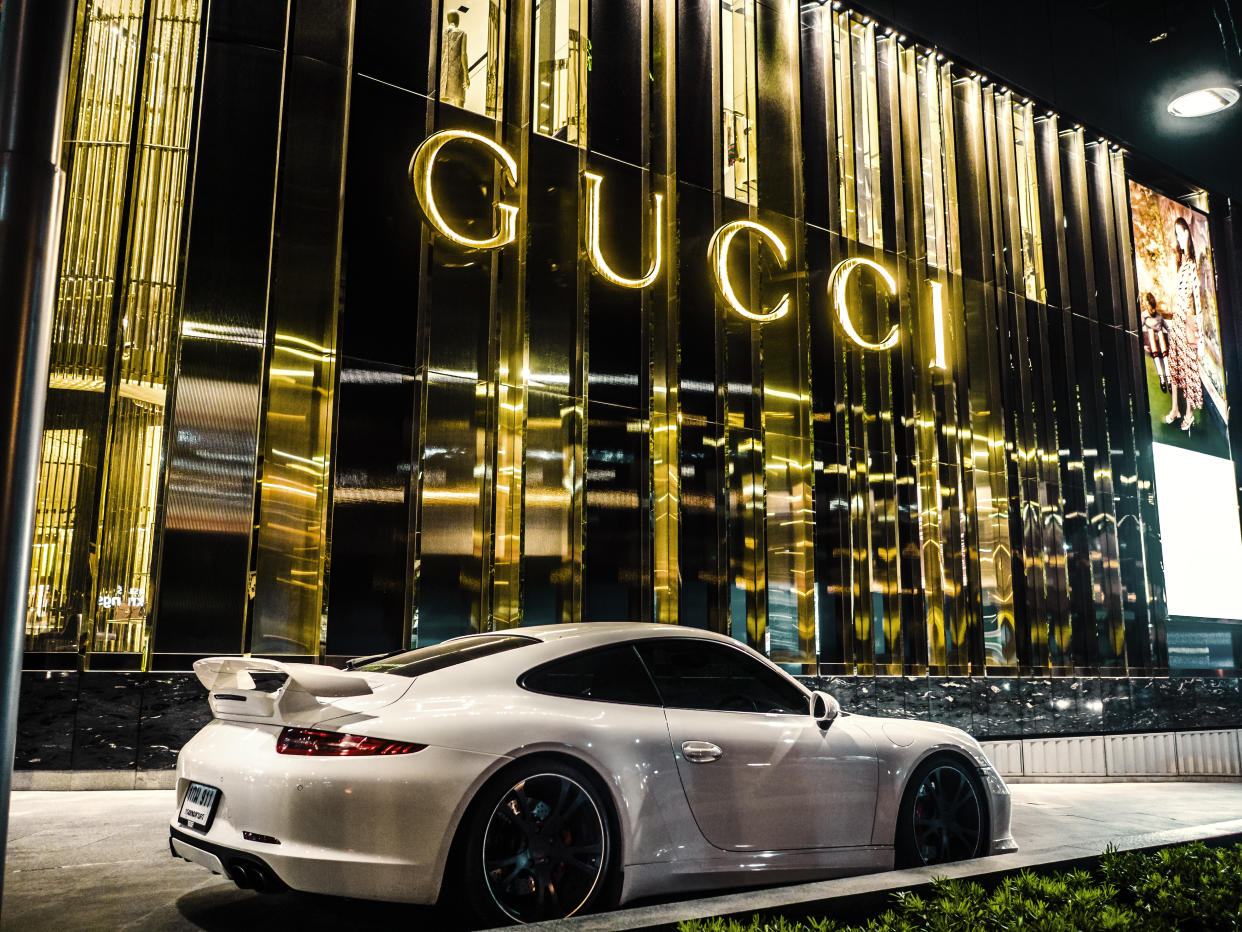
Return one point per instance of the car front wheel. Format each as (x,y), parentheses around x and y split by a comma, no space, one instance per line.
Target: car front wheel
(538,846)
(943,815)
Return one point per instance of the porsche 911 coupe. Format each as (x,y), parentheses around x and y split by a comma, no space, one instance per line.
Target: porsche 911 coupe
(542,772)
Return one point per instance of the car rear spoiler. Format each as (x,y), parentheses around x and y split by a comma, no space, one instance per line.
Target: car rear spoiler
(233,693)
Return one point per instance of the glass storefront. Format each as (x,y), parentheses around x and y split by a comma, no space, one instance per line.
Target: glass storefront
(759,318)
(127,142)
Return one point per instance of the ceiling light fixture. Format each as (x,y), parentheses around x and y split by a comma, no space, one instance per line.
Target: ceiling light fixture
(1203,101)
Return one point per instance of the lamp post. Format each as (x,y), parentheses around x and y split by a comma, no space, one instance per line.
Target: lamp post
(35,41)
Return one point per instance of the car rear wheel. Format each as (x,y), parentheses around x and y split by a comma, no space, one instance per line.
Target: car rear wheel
(538,846)
(943,815)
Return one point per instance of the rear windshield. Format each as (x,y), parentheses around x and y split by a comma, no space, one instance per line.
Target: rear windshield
(447,654)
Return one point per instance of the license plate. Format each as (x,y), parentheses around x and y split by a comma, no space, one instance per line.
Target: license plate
(199,806)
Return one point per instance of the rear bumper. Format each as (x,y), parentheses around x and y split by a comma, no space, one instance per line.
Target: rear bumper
(245,869)
(368,827)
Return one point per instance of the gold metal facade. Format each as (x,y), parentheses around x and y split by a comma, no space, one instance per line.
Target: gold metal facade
(889,422)
(878,504)
(127,151)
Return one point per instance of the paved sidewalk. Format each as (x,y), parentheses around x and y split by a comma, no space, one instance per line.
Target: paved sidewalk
(99,860)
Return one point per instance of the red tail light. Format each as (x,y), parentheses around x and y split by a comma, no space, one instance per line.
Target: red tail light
(310,743)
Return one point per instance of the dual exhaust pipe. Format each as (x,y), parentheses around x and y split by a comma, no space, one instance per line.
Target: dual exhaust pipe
(252,875)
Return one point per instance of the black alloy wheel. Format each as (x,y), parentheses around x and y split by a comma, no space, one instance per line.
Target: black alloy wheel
(943,816)
(540,847)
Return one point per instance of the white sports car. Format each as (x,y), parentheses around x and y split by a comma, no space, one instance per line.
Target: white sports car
(547,771)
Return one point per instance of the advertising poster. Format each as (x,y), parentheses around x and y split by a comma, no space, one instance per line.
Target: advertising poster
(1179,326)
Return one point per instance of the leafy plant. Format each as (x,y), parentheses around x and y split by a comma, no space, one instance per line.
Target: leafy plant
(1190,888)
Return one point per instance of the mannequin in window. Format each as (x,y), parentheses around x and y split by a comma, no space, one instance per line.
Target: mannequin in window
(454,62)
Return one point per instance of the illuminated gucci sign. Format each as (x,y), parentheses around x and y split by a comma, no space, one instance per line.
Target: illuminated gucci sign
(423,165)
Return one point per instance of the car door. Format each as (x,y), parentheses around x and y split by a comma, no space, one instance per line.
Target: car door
(759,773)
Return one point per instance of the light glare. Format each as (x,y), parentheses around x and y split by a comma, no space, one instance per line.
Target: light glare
(1202,102)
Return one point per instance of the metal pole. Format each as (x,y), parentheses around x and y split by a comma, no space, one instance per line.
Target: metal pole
(35,41)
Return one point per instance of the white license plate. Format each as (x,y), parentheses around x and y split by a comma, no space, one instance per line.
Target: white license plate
(199,806)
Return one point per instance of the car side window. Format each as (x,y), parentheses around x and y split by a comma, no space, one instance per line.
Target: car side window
(609,674)
(694,674)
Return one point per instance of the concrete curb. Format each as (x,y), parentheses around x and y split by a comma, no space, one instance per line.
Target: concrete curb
(850,893)
(94,779)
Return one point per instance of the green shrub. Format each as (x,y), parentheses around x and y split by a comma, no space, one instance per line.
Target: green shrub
(1190,888)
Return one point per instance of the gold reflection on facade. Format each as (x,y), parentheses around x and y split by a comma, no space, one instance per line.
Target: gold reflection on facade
(127,150)
(874,420)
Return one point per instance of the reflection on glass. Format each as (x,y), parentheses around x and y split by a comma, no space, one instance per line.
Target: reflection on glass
(52,622)
(472,56)
(562,60)
(293,493)
(866,133)
(931,158)
(89,585)
(858,133)
(1028,203)
(737,98)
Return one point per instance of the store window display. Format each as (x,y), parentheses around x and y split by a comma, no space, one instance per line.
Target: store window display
(471,56)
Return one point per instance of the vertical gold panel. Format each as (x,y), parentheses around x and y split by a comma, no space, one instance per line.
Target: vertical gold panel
(861,37)
(788,459)
(292,540)
(127,517)
(665,404)
(515,421)
(843,95)
(1032,242)
(98,144)
(62,600)
(512,403)
(928,166)
(111,340)
(979,525)
(538,535)
(956,436)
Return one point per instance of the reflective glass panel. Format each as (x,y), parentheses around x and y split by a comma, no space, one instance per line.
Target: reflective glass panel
(562,60)
(737,98)
(103,442)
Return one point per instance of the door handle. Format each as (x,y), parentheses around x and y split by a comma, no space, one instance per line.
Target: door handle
(701,752)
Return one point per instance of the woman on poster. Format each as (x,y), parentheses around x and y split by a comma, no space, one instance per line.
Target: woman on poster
(1184,330)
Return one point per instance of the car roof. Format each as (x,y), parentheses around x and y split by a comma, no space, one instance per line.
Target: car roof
(596,633)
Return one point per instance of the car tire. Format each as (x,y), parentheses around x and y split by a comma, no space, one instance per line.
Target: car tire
(943,815)
(537,844)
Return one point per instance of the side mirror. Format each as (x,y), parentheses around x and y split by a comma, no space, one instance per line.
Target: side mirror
(824,708)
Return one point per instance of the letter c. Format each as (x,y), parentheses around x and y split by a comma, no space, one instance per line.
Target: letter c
(718,255)
(836,289)
(420,176)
